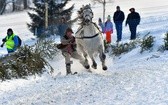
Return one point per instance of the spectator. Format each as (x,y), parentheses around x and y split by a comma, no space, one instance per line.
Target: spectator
(101,24)
(11,41)
(118,19)
(133,20)
(108,29)
(62,27)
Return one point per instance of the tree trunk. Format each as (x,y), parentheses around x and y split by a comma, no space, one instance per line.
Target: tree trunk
(46,15)
(2,6)
(13,3)
(25,4)
(104,10)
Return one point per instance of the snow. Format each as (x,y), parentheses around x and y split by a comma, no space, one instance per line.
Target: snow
(131,79)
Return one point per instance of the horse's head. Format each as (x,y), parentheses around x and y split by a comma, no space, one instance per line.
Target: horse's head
(86,14)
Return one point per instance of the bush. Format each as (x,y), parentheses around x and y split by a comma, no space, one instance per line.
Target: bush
(147,42)
(123,48)
(47,48)
(23,63)
(28,60)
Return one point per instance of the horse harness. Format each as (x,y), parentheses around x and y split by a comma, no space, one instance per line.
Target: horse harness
(88,37)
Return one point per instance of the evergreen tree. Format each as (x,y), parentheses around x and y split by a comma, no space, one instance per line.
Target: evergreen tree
(147,42)
(55,12)
(166,41)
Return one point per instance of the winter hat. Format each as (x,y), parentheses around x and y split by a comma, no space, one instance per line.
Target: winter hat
(10,30)
(133,9)
(63,19)
(69,30)
(108,17)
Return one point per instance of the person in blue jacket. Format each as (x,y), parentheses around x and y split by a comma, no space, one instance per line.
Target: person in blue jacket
(118,19)
(62,27)
(108,29)
(133,20)
(11,41)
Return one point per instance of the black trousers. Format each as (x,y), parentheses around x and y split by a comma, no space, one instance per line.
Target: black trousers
(133,29)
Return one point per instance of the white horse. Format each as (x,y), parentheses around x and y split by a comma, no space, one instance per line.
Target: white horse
(89,38)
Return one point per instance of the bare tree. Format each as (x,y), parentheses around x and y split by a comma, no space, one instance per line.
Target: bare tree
(20,4)
(2,6)
(4,3)
(25,4)
(16,5)
(13,3)
(103,2)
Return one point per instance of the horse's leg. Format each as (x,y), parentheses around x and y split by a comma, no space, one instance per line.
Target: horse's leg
(85,61)
(102,58)
(87,66)
(94,64)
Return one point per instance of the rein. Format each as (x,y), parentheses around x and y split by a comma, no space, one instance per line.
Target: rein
(88,37)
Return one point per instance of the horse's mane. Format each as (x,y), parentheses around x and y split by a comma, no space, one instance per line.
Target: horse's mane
(80,13)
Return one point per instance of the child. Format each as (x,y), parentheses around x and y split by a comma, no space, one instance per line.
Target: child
(108,29)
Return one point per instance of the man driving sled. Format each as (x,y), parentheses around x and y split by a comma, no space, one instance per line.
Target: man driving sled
(68,48)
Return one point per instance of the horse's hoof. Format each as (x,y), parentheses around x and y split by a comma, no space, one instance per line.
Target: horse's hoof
(93,66)
(75,73)
(87,67)
(105,68)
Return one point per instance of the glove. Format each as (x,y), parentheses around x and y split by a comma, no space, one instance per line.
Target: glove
(72,40)
(4,40)
(1,45)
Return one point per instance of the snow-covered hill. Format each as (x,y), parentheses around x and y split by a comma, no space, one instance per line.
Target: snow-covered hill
(131,79)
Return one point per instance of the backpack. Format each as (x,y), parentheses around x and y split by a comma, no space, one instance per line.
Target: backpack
(19,40)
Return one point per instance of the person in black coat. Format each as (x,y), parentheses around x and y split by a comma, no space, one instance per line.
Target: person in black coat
(133,20)
(118,19)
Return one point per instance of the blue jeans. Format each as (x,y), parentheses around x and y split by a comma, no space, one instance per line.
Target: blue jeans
(118,26)
(133,28)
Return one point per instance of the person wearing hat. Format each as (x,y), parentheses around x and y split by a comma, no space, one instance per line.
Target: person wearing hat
(11,41)
(133,20)
(118,19)
(69,50)
(108,29)
(101,24)
(63,25)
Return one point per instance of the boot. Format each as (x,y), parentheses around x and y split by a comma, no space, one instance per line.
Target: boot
(68,69)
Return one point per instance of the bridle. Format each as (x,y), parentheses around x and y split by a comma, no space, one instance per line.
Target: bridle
(87,12)
(88,37)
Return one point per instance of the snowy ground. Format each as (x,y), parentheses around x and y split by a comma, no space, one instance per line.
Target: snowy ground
(131,79)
